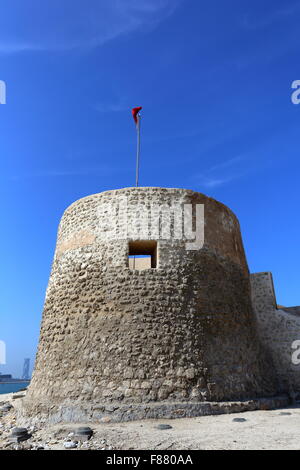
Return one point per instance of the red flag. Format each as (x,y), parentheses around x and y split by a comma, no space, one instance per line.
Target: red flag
(135,112)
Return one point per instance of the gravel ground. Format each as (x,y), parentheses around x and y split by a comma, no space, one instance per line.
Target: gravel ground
(276,429)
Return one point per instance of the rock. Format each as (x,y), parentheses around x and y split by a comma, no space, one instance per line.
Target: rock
(239,420)
(83,433)
(70,445)
(7,407)
(27,446)
(19,435)
(163,426)
(105,419)
(7,444)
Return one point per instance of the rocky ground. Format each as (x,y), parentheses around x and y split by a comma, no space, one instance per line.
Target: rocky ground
(275,429)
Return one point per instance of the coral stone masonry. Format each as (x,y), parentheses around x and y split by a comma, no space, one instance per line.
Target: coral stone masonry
(173,334)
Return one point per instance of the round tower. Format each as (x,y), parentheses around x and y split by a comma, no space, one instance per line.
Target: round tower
(168,334)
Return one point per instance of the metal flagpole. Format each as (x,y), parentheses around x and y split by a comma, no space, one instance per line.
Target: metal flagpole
(137,118)
(138,149)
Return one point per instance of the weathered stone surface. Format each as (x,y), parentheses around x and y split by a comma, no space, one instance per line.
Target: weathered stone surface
(119,344)
(278,329)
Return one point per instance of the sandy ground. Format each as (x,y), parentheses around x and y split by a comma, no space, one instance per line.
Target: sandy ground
(276,429)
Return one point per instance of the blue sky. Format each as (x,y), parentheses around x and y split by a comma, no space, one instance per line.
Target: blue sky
(214,79)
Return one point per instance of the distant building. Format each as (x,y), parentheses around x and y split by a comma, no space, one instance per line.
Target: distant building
(26,365)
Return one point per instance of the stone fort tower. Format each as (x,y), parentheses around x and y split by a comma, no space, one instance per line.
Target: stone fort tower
(175,339)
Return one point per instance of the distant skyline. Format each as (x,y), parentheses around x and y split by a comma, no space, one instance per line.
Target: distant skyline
(215,82)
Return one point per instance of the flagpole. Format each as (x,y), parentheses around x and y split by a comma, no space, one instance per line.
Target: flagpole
(138,149)
(137,118)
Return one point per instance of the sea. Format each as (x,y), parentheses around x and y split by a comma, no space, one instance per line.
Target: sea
(12,387)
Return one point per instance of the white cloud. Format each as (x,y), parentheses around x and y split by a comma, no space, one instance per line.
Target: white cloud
(213,182)
(227,163)
(72,24)
(12,48)
(223,172)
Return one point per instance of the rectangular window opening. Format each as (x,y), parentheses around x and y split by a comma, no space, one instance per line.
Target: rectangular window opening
(142,254)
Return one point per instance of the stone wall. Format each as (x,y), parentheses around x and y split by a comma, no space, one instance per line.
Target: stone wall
(181,333)
(278,329)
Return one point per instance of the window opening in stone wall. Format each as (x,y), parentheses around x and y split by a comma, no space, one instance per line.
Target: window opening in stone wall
(142,254)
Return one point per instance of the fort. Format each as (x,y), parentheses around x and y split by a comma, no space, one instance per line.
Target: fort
(176,332)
